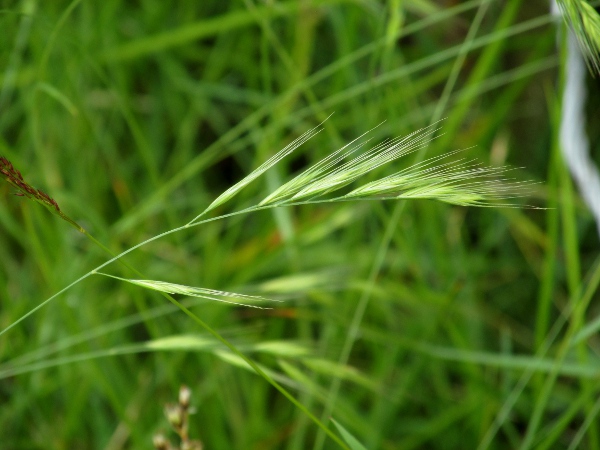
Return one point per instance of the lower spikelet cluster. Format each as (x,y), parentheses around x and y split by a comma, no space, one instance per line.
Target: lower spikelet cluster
(14,177)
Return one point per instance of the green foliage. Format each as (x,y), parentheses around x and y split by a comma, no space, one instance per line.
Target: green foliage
(351,440)
(157,127)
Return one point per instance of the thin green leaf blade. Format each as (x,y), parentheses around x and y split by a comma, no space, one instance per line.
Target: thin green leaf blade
(348,437)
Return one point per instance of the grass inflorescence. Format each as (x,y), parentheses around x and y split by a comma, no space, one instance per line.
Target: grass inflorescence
(461,182)
(585,23)
(14,177)
(178,416)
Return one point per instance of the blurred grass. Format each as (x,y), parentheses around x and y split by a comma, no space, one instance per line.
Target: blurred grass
(135,117)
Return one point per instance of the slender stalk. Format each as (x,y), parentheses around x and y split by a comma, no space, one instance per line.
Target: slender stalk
(189,313)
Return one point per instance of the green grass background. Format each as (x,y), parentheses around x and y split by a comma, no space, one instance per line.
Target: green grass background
(480,325)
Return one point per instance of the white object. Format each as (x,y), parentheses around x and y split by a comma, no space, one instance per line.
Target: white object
(573,140)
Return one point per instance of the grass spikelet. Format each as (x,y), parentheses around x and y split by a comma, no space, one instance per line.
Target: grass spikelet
(209,294)
(461,182)
(302,180)
(585,23)
(233,190)
(324,177)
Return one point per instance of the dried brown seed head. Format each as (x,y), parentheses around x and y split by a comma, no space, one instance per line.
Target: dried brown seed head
(14,177)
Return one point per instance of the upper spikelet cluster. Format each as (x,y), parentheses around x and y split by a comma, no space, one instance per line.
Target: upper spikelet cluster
(459,182)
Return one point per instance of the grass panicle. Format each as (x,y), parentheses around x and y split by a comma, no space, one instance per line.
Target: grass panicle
(462,182)
(14,177)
